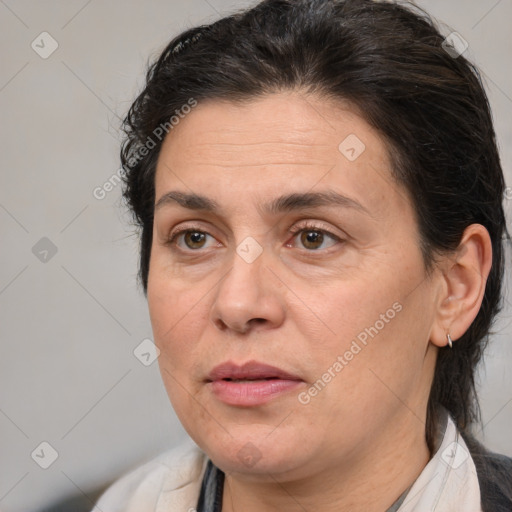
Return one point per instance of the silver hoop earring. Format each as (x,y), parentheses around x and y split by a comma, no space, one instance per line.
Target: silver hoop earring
(450,344)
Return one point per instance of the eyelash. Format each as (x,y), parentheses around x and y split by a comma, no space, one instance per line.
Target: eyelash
(293,232)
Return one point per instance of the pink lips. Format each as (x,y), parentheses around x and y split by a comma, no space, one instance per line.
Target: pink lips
(251,384)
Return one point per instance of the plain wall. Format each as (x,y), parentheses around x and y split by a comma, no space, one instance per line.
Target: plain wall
(69,325)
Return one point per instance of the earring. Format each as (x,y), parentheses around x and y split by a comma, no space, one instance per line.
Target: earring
(450,344)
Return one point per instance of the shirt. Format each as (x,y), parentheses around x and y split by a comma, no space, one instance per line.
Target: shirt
(185,480)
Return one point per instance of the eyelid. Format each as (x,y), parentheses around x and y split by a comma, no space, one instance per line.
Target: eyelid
(187,226)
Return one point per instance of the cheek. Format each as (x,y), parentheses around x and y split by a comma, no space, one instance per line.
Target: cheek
(342,310)
(177,315)
(176,324)
(362,330)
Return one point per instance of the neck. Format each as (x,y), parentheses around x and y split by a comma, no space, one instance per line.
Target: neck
(371,481)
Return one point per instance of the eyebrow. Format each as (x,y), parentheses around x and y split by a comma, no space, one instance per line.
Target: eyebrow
(281,204)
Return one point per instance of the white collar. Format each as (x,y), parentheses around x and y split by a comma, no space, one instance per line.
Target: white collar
(449,481)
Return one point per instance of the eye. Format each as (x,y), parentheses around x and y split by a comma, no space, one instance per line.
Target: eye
(189,239)
(313,237)
(310,236)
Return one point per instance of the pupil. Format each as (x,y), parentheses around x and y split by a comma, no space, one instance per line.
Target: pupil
(312,238)
(195,237)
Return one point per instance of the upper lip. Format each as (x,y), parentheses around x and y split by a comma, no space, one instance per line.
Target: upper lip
(250,370)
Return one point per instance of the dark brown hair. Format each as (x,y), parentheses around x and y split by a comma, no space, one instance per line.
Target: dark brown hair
(393,65)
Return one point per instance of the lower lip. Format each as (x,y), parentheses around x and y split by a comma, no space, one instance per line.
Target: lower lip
(250,393)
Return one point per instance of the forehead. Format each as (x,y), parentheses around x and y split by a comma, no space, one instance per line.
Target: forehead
(289,125)
(281,140)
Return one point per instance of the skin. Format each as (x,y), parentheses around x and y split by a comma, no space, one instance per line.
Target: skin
(360,442)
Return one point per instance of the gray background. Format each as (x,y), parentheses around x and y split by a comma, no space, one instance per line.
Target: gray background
(69,325)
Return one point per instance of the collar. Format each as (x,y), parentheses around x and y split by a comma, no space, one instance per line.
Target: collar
(449,481)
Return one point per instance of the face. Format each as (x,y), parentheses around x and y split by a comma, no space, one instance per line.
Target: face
(287,290)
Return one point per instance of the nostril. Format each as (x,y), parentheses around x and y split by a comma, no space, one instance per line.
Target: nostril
(239,327)
(220,324)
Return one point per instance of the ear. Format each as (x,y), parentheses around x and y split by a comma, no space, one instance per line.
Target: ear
(463,279)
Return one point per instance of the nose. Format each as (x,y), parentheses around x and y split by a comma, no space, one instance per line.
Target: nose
(248,297)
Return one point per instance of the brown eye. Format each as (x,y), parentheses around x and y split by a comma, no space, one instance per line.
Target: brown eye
(194,239)
(190,240)
(312,239)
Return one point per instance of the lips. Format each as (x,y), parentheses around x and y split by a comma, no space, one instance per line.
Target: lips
(250,384)
(249,371)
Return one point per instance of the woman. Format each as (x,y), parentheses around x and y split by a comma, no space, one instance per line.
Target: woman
(320,200)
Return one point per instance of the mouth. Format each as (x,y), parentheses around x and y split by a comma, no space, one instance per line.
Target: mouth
(250,380)
(249,371)
(250,384)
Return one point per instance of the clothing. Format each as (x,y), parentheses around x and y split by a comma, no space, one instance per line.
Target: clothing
(185,480)
(495,477)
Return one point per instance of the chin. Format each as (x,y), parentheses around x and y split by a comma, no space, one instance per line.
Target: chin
(252,452)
